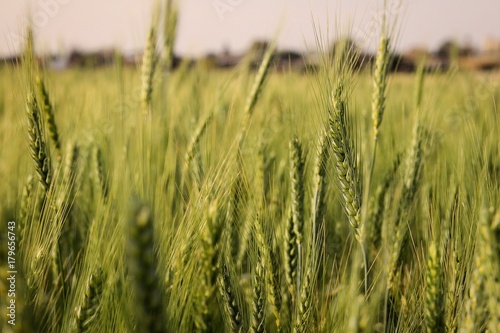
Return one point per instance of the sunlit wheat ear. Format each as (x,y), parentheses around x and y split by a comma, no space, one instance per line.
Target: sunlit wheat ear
(142,270)
(394,259)
(434,302)
(290,256)
(48,112)
(290,261)
(257,323)
(230,302)
(38,148)
(453,260)
(87,311)
(210,242)
(345,161)
(413,164)
(271,271)
(297,186)
(273,288)
(211,248)
(319,193)
(347,170)
(254,93)
(455,294)
(380,84)
(302,322)
(149,60)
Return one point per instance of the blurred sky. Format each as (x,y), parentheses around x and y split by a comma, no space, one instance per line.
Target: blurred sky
(212,25)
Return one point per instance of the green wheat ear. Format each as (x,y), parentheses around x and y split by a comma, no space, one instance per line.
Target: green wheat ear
(142,266)
(345,162)
(320,183)
(380,85)
(26,203)
(48,112)
(257,324)
(149,61)
(434,302)
(39,150)
(271,270)
(297,185)
(230,302)
(303,321)
(87,311)
(290,255)
(169,33)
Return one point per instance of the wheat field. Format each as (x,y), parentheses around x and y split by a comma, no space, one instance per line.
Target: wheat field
(199,200)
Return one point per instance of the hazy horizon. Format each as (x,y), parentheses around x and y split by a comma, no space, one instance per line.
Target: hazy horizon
(214,25)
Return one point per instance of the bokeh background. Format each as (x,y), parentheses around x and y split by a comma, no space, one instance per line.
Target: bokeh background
(211,26)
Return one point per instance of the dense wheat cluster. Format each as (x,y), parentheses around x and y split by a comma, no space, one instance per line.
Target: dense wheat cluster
(196,200)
